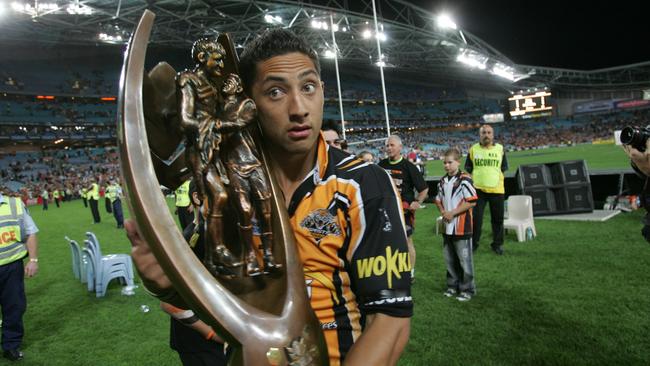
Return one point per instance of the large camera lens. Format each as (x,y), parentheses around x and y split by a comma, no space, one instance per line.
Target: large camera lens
(634,137)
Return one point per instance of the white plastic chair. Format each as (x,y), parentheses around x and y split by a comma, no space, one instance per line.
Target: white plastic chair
(440,226)
(520,216)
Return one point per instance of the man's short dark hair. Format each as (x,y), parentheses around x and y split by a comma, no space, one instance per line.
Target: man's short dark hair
(330,125)
(272,42)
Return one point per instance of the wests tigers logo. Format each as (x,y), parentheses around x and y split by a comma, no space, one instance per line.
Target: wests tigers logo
(321,223)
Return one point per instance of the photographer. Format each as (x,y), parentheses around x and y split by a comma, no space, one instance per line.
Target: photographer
(640,161)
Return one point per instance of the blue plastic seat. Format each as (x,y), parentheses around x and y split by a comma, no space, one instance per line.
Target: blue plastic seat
(76,258)
(107,267)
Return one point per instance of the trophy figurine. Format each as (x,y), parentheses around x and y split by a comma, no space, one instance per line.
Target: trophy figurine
(250,284)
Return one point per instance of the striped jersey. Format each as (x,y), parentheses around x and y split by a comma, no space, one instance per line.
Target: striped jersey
(452,192)
(349,228)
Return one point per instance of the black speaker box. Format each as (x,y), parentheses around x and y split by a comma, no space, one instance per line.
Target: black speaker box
(543,201)
(534,175)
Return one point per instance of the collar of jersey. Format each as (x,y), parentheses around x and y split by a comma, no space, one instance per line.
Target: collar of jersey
(396,161)
(322,159)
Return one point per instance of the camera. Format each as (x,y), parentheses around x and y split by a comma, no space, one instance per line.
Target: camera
(635,137)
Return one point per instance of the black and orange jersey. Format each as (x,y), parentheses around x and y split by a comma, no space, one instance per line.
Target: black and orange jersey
(350,233)
(452,192)
(406,177)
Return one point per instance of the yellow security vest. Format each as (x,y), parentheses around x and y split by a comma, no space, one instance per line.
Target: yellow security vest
(93,193)
(55,194)
(12,247)
(183,195)
(83,193)
(486,174)
(111,192)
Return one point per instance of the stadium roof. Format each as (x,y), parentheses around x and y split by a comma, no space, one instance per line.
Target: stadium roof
(413,39)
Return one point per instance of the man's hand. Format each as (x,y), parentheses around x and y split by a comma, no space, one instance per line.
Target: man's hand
(640,159)
(415,205)
(152,275)
(448,216)
(31,268)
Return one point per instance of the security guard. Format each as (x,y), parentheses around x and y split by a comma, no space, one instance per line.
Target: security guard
(114,194)
(17,241)
(183,207)
(56,196)
(487,162)
(93,200)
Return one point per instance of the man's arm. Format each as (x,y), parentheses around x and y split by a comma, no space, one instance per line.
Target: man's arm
(504,162)
(469,164)
(422,195)
(382,341)
(187,107)
(31,268)
(190,320)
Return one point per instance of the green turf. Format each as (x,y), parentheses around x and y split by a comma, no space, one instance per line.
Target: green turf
(576,295)
(597,156)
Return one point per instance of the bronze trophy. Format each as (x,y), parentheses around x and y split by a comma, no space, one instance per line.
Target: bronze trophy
(199,123)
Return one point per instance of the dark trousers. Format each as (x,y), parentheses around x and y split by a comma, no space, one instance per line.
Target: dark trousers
(13,303)
(117,212)
(85,202)
(495,200)
(185,217)
(56,200)
(204,358)
(44,205)
(95,210)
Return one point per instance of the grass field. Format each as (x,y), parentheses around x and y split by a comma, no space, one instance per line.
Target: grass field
(576,295)
(597,156)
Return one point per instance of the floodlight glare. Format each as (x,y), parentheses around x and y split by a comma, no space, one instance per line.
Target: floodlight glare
(445,21)
(329,54)
(381,36)
(272,19)
(472,59)
(366,34)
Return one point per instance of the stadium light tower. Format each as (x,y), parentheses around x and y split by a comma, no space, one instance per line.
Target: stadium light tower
(336,65)
(381,67)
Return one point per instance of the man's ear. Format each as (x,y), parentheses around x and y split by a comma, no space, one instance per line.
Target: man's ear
(195,199)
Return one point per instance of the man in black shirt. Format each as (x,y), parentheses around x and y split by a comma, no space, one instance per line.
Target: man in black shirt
(195,341)
(406,177)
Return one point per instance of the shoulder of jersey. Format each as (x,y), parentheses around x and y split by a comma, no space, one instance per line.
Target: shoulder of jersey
(465,175)
(350,167)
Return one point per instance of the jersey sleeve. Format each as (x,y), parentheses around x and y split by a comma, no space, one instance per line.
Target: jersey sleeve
(440,190)
(469,192)
(380,266)
(418,180)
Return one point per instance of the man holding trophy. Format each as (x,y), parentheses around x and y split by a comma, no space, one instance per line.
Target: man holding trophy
(344,213)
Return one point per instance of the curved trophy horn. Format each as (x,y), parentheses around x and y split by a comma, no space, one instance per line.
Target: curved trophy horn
(285,333)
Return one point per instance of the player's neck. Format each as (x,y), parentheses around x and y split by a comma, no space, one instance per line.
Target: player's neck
(452,174)
(290,170)
(395,160)
(487,146)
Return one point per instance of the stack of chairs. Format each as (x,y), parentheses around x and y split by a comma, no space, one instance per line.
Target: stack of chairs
(97,270)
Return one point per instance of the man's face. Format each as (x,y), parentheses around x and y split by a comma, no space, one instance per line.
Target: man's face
(288,93)
(393,148)
(332,138)
(486,134)
(451,164)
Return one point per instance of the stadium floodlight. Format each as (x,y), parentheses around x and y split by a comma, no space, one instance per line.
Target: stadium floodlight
(79,9)
(271,19)
(503,71)
(444,21)
(329,53)
(104,37)
(366,34)
(472,59)
(382,36)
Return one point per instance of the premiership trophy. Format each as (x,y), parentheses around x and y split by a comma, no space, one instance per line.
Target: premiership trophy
(198,123)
